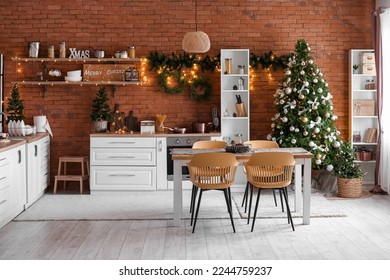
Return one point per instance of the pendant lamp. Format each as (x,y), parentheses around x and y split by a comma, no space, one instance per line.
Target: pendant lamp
(198,41)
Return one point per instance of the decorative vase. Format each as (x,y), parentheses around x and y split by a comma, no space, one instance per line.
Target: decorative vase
(100,125)
(349,188)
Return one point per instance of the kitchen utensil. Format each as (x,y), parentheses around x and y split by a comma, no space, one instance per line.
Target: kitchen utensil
(199,127)
(131,122)
(160,122)
(178,130)
(214,114)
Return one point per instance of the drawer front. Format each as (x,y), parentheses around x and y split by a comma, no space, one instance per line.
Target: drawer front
(121,178)
(4,200)
(4,176)
(120,156)
(123,142)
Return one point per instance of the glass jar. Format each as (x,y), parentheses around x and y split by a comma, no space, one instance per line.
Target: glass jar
(62,50)
(131,52)
(241,69)
(50,51)
(237,138)
(356,137)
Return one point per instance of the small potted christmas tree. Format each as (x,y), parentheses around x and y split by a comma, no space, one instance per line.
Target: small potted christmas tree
(100,111)
(15,106)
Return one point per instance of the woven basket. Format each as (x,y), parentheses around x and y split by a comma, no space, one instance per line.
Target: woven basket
(349,188)
(237,148)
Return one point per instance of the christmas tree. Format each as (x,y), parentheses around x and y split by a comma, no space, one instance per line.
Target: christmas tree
(100,107)
(305,116)
(15,106)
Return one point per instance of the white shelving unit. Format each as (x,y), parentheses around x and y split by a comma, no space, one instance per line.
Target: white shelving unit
(361,122)
(232,124)
(231,121)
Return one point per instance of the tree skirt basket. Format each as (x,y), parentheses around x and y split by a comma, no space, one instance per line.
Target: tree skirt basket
(100,126)
(349,188)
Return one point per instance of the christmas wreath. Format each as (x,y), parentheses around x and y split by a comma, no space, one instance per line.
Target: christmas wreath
(163,78)
(199,84)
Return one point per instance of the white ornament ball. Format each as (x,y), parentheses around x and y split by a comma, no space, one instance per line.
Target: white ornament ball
(329,168)
(316,130)
(318,119)
(336,144)
(284,119)
(303,63)
(306,84)
(293,141)
(302,72)
(272,125)
(292,128)
(320,90)
(318,161)
(315,81)
(281,102)
(328,129)
(301,96)
(333,118)
(288,72)
(315,107)
(296,130)
(304,120)
(269,137)
(311,144)
(331,107)
(305,133)
(288,90)
(318,156)
(311,61)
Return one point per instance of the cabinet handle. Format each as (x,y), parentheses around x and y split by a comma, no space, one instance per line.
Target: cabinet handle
(3,201)
(121,156)
(2,159)
(2,178)
(20,156)
(121,143)
(36,150)
(160,148)
(122,175)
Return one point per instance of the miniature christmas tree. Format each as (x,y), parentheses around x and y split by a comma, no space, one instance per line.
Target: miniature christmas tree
(100,107)
(305,116)
(15,106)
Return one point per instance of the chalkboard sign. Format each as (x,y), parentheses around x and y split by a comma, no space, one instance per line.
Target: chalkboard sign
(105,72)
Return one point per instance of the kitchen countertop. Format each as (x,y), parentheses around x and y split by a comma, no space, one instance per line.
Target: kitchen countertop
(16,141)
(138,134)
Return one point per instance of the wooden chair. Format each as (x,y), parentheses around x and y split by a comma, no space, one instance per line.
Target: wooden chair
(204,144)
(260,144)
(270,170)
(213,171)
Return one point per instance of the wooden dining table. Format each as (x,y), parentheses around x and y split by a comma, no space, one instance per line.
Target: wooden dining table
(302,157)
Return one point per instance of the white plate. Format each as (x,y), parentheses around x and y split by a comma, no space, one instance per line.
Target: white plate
(73,79)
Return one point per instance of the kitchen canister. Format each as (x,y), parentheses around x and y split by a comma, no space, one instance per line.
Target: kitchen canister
(42,124)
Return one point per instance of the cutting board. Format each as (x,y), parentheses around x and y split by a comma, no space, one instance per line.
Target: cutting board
(131,122)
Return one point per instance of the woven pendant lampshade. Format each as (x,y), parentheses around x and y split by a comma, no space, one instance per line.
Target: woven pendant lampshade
(197,41)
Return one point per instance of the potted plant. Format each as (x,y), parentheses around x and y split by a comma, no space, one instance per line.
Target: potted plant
(100,111)
(346,169)
(355,68)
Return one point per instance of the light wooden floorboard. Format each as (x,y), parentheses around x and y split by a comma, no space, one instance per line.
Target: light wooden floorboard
(363,235)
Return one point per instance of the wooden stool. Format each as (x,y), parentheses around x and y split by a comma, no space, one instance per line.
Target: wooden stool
(64,177)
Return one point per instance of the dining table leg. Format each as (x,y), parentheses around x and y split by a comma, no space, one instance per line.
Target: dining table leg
(298,188)
(177,192)
(306,190)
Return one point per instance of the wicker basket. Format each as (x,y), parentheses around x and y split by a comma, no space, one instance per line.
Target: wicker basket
(349,188)
(237,148)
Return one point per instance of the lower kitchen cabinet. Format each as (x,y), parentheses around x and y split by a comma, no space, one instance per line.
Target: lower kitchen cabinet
(12,183)
(123,163)
(38,166)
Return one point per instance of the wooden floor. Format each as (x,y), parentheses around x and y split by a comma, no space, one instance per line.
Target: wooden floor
(363,234)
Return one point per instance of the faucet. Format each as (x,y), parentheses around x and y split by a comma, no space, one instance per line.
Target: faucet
(5,116)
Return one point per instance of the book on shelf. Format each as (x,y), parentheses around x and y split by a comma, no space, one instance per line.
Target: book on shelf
(371,135)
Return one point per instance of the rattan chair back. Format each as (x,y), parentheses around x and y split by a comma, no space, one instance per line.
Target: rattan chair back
(209,144)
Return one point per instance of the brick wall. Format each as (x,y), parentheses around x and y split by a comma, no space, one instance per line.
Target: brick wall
(330,27)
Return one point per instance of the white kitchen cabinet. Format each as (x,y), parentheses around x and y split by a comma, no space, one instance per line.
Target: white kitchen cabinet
(120,164)
(234,116)
(12,183)
(38,168)
(362,112)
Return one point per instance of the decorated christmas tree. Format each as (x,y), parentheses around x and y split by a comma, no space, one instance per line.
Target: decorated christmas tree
(305,116)
(15,106)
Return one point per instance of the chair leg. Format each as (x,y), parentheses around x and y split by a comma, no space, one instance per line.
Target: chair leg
(245,195)
(193,201)
(276,203)
(197,209)
(250,204)
(288,208)
(257,205)
(229,205)
(281,200)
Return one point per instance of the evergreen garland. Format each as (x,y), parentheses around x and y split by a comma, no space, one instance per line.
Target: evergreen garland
(15,106)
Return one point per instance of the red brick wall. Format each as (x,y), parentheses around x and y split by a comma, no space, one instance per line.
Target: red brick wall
(330,27)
